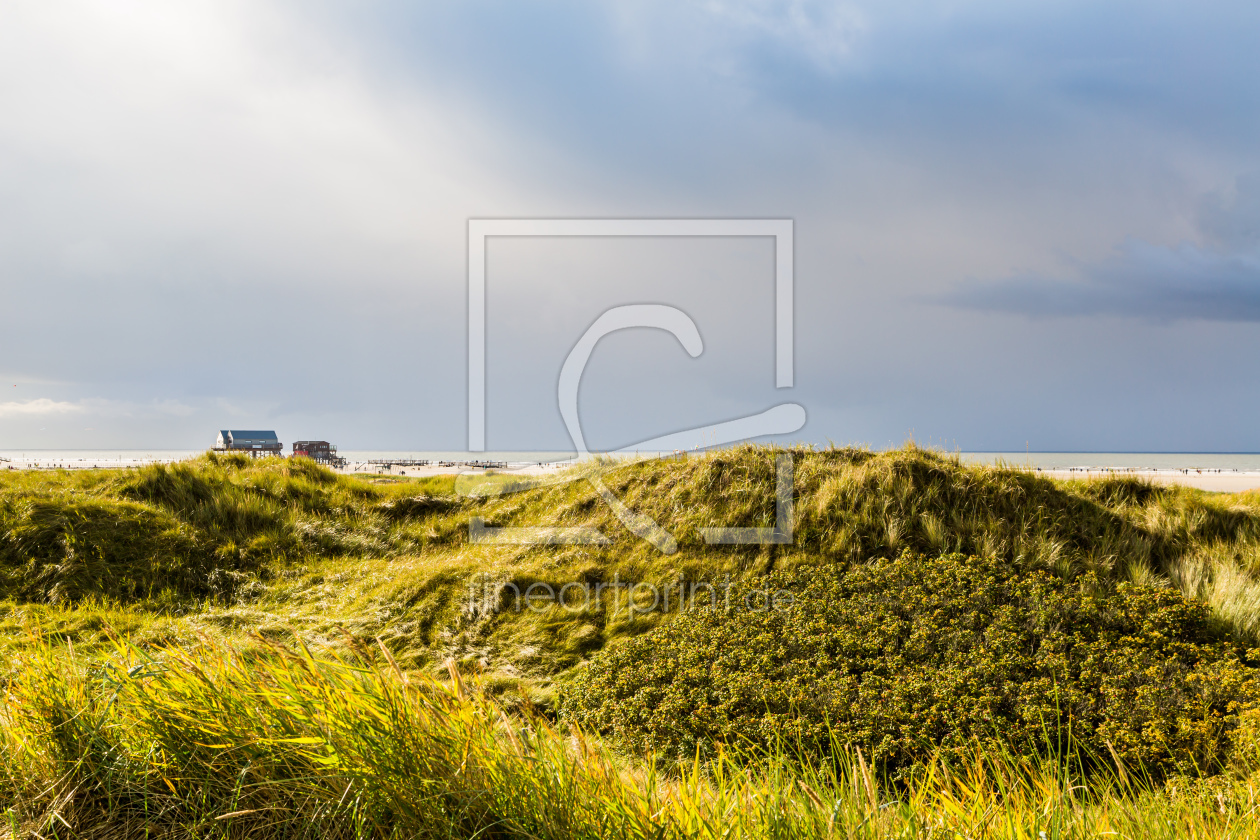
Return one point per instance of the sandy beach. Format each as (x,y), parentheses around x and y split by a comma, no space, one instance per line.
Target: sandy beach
(1221,480)
(361,468)
(1216,480)
(532,468)
(10,462)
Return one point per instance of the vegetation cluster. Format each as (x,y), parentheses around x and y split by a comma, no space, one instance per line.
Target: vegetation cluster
(279,742)
(228,647)
(921,657)
(165,536)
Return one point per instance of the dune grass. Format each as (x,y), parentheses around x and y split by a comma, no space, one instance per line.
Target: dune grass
(209,742)
(224,571)
(227,545)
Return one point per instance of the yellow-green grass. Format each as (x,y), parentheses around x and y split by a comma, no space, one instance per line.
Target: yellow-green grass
(205,741)
(229,545)
(233,560)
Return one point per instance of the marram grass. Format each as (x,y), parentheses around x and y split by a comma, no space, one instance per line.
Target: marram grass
(229,545)
(219,723)
(208,742)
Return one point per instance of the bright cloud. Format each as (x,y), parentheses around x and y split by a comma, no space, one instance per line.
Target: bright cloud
(38,407)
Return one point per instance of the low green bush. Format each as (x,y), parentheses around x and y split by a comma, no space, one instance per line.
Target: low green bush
(917,656)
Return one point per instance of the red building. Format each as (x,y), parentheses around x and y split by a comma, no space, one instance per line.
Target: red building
(319,451)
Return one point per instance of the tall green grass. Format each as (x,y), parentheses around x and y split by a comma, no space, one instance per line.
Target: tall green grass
(207,742)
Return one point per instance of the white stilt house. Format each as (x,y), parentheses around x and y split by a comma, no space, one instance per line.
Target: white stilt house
(257,443)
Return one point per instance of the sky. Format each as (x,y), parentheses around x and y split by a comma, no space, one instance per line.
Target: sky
(1015,226)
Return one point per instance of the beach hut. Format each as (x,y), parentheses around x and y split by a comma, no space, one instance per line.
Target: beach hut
(254,442)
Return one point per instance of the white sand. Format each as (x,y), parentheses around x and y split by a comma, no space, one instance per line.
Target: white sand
(80,463)
(413,472)
(1224,481)
(1227,481)
(351,469)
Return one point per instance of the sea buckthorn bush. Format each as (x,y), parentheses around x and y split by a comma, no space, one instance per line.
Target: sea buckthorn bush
(917,656)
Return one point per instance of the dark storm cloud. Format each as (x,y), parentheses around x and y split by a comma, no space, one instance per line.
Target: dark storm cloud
(1215,280)
(682,92)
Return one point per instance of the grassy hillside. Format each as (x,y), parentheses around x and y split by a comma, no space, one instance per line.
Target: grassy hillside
(233,544)
(937,615)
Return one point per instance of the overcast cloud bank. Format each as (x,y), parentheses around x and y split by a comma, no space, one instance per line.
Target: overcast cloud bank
(257,212)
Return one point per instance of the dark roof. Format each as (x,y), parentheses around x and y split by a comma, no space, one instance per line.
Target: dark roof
(239,435)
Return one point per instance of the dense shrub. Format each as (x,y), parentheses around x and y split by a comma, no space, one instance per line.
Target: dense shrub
(909,656)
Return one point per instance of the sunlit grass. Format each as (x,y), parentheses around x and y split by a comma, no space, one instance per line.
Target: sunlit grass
(208,741)
(230,544)
(221,570)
